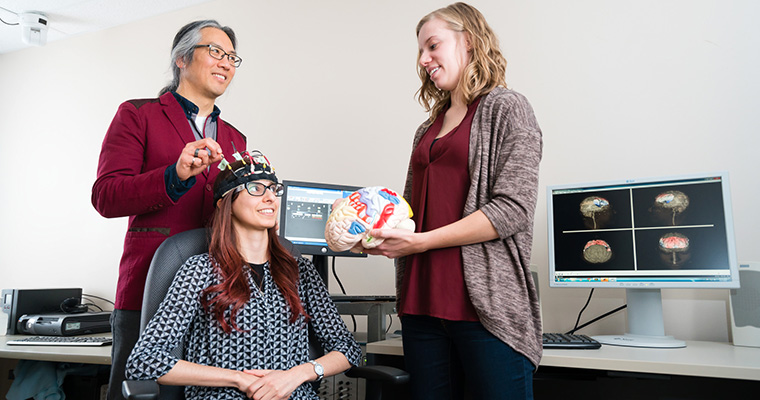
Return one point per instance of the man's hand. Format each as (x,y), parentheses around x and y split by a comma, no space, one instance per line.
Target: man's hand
(197,156)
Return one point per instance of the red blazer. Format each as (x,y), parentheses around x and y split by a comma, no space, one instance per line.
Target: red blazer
(145,137)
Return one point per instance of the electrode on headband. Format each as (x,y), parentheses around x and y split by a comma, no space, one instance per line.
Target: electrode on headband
(255,167)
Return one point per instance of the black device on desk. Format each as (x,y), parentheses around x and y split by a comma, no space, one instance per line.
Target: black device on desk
(569,341)
(61,324)
(17,302)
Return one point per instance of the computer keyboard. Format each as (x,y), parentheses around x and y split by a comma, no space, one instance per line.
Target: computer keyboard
(363,297)
(568,341)
(62,341)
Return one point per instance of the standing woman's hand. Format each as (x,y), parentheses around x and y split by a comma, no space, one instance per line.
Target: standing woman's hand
(397,243)
(197,156)
(474,228)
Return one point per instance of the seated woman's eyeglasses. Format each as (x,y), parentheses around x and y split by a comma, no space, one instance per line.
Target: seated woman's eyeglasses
(258,189)
(219,54)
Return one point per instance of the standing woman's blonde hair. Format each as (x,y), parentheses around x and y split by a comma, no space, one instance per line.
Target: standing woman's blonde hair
(486,70)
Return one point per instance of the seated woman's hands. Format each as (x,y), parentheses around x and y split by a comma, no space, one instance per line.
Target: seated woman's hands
(274,384)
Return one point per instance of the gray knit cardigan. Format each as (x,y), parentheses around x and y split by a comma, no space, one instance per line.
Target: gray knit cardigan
(505,150)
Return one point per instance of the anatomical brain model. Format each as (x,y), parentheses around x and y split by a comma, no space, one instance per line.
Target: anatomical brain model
(366,209)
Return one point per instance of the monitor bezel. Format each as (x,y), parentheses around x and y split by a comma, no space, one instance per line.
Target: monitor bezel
(728,220)
(310,249)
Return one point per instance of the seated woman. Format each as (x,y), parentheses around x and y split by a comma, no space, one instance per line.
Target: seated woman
(245,306)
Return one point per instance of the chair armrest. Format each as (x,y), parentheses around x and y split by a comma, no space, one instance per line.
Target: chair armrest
(379,373)
(140,390)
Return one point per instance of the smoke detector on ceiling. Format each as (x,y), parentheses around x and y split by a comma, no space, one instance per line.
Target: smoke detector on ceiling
(34,28)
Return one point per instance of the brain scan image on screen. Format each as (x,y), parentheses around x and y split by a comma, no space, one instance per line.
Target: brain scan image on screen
(596,211)
(597,251)
(669,206)
(674,249)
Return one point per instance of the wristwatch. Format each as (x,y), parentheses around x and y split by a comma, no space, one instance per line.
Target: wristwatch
(318,369)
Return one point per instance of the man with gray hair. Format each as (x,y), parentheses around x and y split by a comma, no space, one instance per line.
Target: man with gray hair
(154,167)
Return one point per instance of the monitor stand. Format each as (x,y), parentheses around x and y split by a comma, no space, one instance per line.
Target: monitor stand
(321,265)
(646,326)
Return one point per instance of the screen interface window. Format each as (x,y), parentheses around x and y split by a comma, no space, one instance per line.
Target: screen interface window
(639,234)
(307,210)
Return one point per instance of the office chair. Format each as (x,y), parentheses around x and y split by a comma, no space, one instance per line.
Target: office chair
(167,260)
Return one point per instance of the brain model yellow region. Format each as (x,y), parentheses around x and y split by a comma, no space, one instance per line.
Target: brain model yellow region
(369,208)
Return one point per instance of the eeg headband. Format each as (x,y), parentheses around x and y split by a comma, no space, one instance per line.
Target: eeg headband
(255,167)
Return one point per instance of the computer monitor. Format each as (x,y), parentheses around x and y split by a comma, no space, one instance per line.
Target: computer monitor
(304,210)
(643,235)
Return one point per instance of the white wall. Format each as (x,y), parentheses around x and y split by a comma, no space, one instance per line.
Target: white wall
(621,89)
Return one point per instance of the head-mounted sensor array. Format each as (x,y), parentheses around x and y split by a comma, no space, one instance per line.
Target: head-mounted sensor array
(255,167)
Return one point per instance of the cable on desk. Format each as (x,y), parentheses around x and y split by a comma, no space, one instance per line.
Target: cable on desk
(608,313)
(576,328)
(99,298)
(577,320)
(93,305)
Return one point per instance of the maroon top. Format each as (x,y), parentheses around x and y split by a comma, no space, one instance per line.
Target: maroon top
(434,280)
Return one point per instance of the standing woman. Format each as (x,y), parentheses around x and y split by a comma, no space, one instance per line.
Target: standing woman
(469,308)
(244,307)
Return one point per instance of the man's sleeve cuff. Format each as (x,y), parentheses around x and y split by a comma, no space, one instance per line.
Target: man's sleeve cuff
(175,187)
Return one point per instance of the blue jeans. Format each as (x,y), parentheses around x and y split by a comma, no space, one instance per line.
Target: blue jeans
(446,359)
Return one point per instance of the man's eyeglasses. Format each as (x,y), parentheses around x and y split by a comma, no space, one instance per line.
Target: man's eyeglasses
(258,189)
(219,54)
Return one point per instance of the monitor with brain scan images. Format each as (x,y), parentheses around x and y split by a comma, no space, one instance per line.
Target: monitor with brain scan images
(643,234)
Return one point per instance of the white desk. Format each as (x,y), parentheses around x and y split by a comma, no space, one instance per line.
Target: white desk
(701,359)
(77,354)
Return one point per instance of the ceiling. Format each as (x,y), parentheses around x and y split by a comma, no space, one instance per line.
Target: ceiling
(73,17)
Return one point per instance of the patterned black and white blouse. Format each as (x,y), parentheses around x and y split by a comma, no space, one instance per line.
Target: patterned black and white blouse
(269,340)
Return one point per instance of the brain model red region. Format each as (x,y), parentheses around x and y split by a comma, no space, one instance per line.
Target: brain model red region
(369,208)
